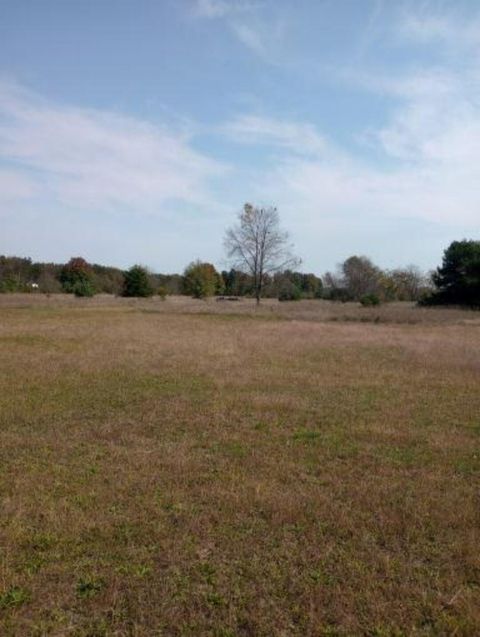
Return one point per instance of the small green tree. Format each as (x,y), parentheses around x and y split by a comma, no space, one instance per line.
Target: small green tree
(201,280)
(369,300)
(137,282)
(76,277)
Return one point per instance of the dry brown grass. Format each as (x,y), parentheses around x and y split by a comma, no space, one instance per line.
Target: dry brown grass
(311,310)
(191,468)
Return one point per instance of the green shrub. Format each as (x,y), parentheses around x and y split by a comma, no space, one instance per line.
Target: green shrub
(162,292)
(369,300)
(83,288)
(289,292)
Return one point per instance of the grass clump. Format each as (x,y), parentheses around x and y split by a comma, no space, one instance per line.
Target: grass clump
(13,597)
(89,587)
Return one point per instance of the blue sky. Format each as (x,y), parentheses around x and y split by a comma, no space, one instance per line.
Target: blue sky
(134,131)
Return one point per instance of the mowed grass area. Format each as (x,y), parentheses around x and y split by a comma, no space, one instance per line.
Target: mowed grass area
(172,470)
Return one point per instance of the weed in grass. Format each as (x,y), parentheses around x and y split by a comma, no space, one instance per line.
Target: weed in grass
(137,570)
(319,576)
(306,436)
(89,586)
(215,599)
(208,572)
(13,597)
(469,464)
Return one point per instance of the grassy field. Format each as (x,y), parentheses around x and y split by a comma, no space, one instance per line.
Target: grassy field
(192,468)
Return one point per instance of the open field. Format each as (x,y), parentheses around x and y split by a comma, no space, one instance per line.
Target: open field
(192,468)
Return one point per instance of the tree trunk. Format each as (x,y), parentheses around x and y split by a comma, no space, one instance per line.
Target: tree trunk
(258,292)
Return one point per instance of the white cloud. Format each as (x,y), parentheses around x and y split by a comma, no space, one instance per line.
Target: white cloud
(96,159)
(316,190)
(299,138)
(426,161)
(436,117)
(423,163)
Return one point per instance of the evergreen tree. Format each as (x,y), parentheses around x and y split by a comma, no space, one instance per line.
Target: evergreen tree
(137,282)
(458,279)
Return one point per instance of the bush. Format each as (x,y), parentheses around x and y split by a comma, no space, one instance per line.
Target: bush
(289,292)
(369,300)
(83,288)
(201,280)
(137,283)
(162,292)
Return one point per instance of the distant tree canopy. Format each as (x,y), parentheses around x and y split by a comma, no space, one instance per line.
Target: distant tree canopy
(107,279)
(291,286)
(237,283)
(171,283)
(201,280)
(137,282)
(457,280)
(359,279)
(286,283)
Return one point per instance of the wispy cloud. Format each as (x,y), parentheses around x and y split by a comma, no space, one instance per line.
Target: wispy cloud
(251,37)
(223,8)
(425,25)
(422,163)
(298,138)
(96,159)
(262,37)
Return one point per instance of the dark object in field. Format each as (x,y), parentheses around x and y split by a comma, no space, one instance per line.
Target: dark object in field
(227,298)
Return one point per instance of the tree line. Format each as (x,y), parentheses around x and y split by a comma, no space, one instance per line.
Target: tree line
(262,265)
(199,279)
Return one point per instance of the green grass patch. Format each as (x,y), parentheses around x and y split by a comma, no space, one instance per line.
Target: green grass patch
(13,597)
(86,396)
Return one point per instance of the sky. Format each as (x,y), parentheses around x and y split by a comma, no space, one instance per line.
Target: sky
(133,131)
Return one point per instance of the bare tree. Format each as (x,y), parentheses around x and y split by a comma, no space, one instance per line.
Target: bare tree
(410,283)
(258,246)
